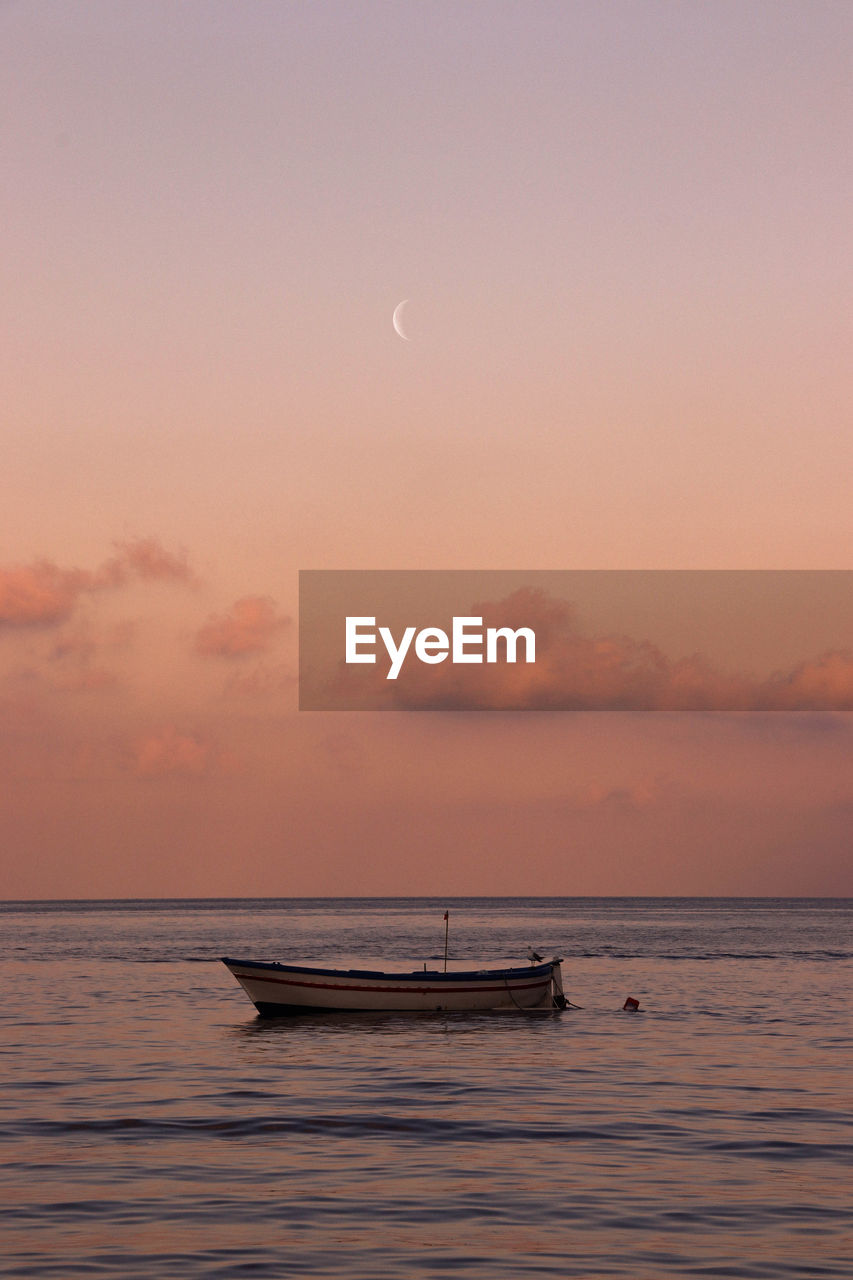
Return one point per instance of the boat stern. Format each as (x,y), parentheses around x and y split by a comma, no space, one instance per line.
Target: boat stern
(558,996)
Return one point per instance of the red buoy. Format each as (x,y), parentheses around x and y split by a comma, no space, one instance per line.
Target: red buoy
(631,1005)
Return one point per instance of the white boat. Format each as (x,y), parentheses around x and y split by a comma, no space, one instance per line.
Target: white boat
(277,989)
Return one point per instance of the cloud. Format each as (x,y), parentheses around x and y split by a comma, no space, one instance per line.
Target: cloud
(170,752)
(824,684)
(147,559)
(629,798)
(76,657)
(43,594)
(574,671)
(40,594)
(249,627)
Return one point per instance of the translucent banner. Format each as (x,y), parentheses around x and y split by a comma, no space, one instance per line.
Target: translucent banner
(576,640)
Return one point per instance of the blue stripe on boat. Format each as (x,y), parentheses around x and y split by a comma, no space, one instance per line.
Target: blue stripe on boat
(417,975)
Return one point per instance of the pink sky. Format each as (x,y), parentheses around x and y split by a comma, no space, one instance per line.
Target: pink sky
(624,234)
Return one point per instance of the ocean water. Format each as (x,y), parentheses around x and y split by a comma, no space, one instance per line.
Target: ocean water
(151,1125)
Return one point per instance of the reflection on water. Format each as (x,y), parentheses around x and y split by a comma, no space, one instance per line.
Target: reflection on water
(388,1022)
(152,1125)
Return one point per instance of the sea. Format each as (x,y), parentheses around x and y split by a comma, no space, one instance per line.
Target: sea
(151,1125)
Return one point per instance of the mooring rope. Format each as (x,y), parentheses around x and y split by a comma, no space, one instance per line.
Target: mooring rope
(523,1009)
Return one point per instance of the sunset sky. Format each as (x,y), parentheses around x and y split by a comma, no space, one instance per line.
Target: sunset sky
(624,234)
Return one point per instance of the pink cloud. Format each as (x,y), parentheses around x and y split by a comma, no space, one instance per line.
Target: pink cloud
(75,657)
(44,595)
(147,559)
(824,684)
(40,594)
(632,796)
(249,627)
(578,672)
(170,752)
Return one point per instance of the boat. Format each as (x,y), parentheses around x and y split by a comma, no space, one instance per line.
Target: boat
(277,989)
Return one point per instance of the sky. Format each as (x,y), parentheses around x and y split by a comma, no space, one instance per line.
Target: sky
(623,232)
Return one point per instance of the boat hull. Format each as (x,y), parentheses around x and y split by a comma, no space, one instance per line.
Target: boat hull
(281,989)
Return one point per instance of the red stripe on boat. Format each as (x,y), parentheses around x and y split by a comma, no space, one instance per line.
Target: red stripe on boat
(421,991)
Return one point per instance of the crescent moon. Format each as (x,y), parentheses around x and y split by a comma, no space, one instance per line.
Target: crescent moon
(397,322)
